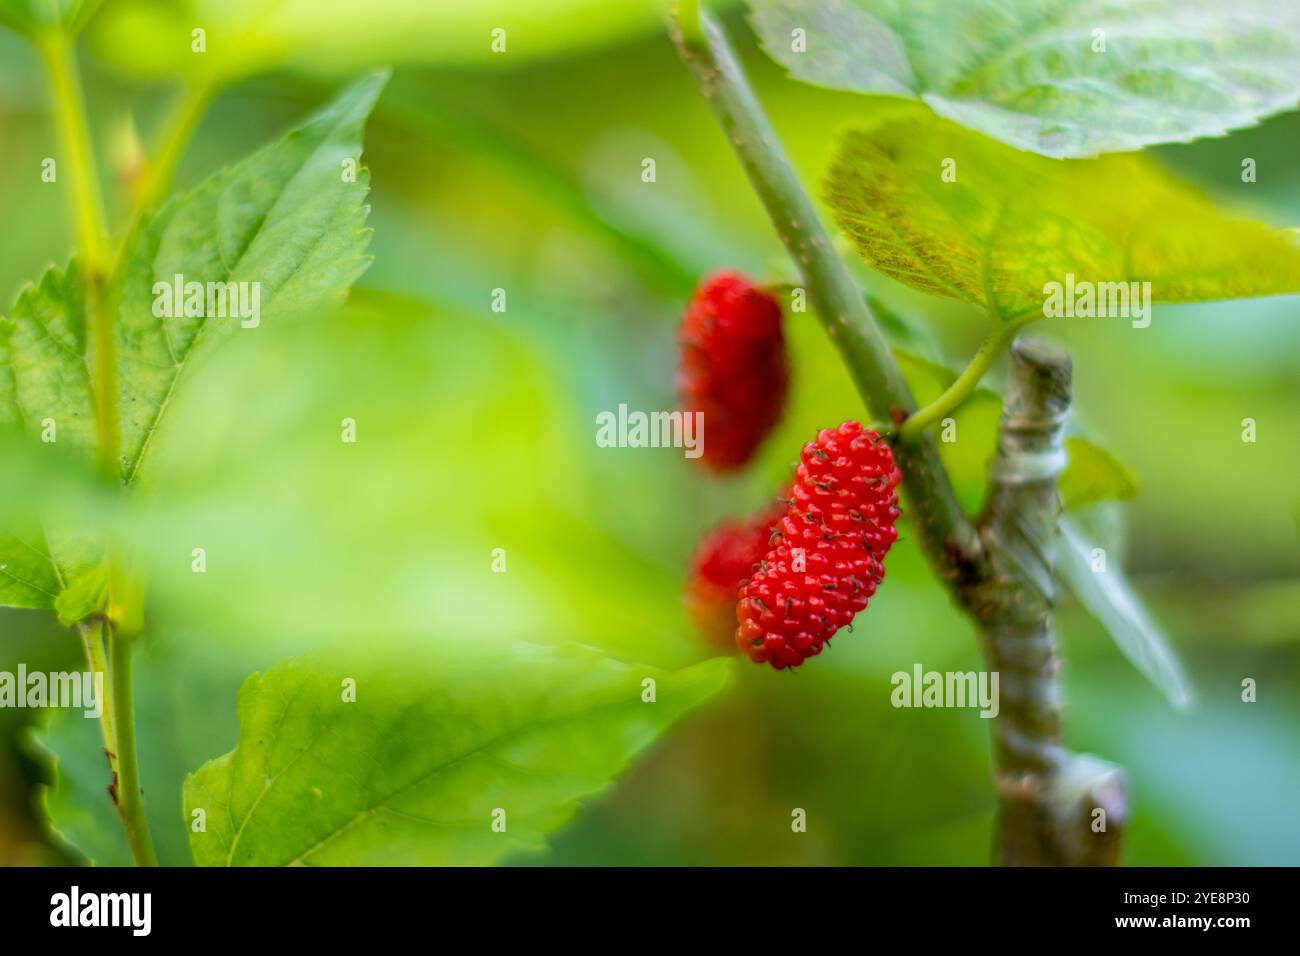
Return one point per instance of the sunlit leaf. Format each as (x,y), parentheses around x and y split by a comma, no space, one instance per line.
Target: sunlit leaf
(1058,77)
(52,485)
(1012,222)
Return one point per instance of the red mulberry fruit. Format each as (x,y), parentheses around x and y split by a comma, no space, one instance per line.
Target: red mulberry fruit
(828,549)
(727,556)
(734,367)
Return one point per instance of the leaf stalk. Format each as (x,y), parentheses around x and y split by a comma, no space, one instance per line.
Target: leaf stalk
(191,103)
(994,346)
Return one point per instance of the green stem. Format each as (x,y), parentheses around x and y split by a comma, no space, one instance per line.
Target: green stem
(946,533)
(92,639)
(88,205)
(130,798)
(689,21)
(965,383)
(179,128)
(97,260)
(92,239)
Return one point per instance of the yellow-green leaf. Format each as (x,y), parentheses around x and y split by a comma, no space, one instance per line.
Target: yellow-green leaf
(1093,475)
(1006,223)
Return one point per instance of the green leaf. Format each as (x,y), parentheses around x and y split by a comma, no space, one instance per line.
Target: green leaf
(413,770)
(28,577)
(258,477)
(287,219)
(1033,74)
(54,485)
(45,389)
(44,376)
(1013,222)
(87,594)
(1107,594)
(147,38)
(1093,475)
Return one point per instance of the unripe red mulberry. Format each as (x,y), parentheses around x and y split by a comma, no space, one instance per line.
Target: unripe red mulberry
(827,559)
(734,367)
(725,557)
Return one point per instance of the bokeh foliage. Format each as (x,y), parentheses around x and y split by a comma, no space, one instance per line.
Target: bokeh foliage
(475,432)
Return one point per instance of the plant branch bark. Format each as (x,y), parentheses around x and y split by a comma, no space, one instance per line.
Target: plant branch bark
(1055,807)
(999,571)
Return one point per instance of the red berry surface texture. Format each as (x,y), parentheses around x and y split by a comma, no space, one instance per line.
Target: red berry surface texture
(828,549)
(734,367)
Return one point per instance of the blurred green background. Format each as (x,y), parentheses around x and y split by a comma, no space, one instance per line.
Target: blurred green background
(523,172)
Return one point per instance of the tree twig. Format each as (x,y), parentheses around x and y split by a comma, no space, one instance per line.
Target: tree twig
(1055,807)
